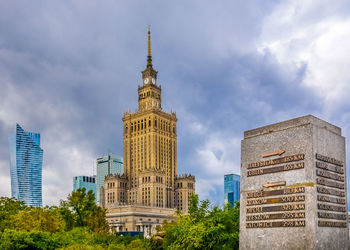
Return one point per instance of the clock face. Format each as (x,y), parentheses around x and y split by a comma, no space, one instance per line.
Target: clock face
(146,81)
(153,81)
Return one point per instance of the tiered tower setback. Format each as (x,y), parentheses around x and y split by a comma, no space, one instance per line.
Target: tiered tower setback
(150,163)
(150,144)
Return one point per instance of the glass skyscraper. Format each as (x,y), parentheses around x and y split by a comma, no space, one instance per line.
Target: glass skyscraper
(231,188)
(26,159)
(87,182)
(107,164)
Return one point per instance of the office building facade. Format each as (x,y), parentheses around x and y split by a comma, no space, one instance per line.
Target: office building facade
(231,188)
(26,159)
(87,182)
(106,165)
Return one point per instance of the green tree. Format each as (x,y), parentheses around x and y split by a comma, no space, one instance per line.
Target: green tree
(138,244)
(9,208)
(81,210)
(203,228)
(97,220)
(38,219)
(12,239)
(67,216)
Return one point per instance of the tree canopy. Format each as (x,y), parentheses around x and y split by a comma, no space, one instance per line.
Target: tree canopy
(80,210)
(78,223)
(202,228)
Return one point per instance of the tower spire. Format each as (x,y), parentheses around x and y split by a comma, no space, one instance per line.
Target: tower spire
(149,56)
(149,72)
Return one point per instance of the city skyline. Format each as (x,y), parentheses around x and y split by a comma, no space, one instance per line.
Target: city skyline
(225,68)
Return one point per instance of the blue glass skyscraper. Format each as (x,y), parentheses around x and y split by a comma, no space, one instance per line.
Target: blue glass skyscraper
(87,182)
(232,188)
(26,158)
(105,165)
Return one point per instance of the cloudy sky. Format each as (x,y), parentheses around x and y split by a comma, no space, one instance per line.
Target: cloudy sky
(70,69)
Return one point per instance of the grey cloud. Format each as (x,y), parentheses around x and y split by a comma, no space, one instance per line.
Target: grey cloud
(70,70)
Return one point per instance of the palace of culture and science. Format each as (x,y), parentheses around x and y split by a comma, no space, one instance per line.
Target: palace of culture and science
(149,191)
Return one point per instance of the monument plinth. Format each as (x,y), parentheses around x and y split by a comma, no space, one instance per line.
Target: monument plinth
(293,186)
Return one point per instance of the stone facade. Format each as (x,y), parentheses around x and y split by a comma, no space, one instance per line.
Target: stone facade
(293,186)
(184,188)
(125,218)
(150,184)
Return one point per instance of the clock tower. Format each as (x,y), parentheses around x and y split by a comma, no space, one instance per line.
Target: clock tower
(149,91)
(150,190)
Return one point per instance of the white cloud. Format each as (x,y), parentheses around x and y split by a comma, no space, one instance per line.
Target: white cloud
(205,188)
(302,32)
(64,155)
(5,179)
(71,78)
(219,155)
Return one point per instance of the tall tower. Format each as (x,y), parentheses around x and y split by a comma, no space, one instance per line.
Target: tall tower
(149,191)
(26,158)
(150,144)
(149,92)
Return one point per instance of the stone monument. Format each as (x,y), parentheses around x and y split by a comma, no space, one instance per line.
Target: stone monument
(293,186)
